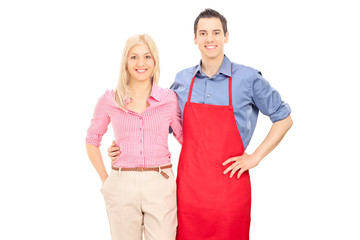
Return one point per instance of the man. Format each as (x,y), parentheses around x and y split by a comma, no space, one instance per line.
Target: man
(220,101)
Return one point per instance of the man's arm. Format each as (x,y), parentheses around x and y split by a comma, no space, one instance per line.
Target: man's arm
(113,152)
(246,161)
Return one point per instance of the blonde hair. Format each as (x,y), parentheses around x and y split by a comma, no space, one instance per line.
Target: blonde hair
(122,89)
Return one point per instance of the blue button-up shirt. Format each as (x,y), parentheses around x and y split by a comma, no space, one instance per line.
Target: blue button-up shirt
(250,92)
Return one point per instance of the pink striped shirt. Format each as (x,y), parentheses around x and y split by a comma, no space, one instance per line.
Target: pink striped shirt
(142,138)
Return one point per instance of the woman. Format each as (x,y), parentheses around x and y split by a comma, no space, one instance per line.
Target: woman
(141,189)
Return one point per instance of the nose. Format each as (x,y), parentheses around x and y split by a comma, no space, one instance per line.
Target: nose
(209,38)
(140,63)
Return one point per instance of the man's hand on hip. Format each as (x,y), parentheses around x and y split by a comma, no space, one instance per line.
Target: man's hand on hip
(241,164)
(113,152)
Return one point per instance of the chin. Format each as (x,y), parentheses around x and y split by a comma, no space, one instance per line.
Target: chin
(213,55)
(143,79)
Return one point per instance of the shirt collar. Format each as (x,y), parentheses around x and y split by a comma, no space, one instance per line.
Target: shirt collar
(155,93)
(225,67)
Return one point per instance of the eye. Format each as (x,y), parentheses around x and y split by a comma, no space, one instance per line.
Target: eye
(133,57)
(202,34)
(217,33)
(148,57)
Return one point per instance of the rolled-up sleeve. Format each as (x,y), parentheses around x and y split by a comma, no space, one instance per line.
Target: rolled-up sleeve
(268,100)
(99,122)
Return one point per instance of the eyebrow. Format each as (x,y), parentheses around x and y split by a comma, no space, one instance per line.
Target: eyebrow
(138,54)
(215,30)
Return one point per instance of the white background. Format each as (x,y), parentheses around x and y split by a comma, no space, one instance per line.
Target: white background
(58,57)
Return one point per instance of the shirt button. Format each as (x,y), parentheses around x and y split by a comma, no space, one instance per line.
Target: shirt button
(208,95)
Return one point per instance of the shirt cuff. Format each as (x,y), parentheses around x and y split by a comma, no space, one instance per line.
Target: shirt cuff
(93,139)
(281,113)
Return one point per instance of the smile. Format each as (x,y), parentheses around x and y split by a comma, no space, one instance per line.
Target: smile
(140,70)
(210,46)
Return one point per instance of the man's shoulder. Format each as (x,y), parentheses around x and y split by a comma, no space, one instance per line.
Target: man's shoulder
(243,69)
(187,72)
(244,74)
(183,78)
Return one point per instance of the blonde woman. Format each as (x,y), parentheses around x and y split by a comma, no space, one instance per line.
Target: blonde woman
(141,189)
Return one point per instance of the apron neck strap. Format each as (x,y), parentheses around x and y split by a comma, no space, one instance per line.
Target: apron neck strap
(230,88)
(191,87)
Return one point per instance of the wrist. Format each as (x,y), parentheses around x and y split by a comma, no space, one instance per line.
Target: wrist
(258,156)
(103,177)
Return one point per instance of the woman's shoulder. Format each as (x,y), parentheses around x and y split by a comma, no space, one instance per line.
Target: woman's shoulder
(107,97)
(165,94)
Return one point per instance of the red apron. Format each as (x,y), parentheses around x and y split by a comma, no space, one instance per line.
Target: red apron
(210,204)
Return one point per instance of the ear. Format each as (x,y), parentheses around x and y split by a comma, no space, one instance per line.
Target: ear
(195,40)
(226,39)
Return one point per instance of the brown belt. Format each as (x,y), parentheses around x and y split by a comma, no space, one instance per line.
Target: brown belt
(142,169)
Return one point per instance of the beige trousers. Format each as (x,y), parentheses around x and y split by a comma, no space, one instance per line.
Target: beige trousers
(135,199)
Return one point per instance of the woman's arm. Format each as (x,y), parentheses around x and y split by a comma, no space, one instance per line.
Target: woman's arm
(98,127)
(176,123)
(97,161)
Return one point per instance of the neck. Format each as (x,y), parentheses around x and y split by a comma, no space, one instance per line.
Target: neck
(211,66)
(140,89)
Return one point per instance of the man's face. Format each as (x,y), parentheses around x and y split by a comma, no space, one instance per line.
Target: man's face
(210,38)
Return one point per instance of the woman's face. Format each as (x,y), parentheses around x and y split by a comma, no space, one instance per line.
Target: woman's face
(140,63)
